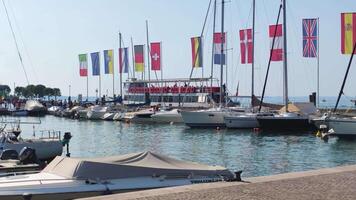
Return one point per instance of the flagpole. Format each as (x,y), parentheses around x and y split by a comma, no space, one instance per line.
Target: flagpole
(87,86)
(318,76)
(113,73)
(148,53)
(99,75)
(253,53)
(212,53)
(133,59)
(222,53)
(120,64)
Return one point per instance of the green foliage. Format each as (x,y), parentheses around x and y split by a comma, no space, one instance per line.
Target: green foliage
(4,90)
(38,91)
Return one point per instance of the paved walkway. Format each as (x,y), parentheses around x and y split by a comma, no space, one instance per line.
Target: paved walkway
(332,183)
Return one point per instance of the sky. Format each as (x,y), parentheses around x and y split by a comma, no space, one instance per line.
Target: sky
(51,34)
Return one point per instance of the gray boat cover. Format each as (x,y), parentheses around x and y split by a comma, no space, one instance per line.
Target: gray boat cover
(130,166)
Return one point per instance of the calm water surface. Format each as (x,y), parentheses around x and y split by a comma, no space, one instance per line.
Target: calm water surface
(256,154)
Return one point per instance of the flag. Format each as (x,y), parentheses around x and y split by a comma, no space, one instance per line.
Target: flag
(277,49)
(197,52)
(123,60)
(348,32)
(246,46)
(219,58)
(95,62)
(83,65)
(139,58)
(108,57)
(156,56)
(310,38)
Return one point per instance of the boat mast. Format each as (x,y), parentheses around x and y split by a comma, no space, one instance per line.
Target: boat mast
(253,53)
(212,52)
(285,73)
(318,76)
(120,64)
(222,53)
(346,74)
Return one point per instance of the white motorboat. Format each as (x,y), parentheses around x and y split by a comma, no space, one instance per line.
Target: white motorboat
(46,148)
(69,178)
(53,110)
(35,108)
(341,126)
(96,112)
(213,117)
(167,116)
(142,116)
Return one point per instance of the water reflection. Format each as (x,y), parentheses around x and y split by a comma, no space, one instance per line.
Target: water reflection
(255,153)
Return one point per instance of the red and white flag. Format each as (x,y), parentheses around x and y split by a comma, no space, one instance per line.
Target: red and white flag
(277,49)
(246,45)
(156,56)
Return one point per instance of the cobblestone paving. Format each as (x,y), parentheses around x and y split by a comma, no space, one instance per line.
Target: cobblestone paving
(340,185)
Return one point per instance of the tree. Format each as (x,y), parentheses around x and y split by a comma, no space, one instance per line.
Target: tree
(56,93)
(48,92)
(4,90)
(39,91)
(19,91)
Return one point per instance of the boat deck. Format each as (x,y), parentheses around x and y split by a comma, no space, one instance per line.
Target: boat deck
(331,183)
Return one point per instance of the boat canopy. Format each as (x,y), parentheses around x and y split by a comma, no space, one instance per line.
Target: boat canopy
(131,166)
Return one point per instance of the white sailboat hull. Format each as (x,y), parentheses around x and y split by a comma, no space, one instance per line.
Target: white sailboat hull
(167,117)
(342,127)
(204,118)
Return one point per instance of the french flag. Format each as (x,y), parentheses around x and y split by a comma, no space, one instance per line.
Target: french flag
(277,49)
(219,57)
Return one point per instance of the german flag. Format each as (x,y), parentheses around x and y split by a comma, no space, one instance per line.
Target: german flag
(139,58)
(197,52)
(348,32)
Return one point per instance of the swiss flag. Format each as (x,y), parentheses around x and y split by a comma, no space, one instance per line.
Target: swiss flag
(156,56)
(246,46)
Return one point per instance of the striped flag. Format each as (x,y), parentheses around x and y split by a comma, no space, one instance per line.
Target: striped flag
(219,57)
(246,46)
(277,49)
(197,52)
(108,57)
(95,62)
(139,58)
(310,38)
(123,60)
(83,65)
(348,32)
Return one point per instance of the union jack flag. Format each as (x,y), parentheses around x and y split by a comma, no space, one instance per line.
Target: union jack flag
(310,37)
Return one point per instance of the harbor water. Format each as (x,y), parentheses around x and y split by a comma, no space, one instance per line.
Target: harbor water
(257,154)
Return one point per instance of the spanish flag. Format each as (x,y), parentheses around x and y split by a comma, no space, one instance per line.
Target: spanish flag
(348,32)
(139,58)
(197,52)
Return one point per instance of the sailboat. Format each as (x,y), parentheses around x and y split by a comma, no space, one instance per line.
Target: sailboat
(286,120)
(213,117)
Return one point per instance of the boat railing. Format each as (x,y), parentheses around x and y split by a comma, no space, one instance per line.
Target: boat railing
(52,134)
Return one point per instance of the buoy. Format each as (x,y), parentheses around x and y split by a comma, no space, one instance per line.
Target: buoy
(318,134)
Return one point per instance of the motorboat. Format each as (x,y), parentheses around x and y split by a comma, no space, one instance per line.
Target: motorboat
(97,112)
(35,108)
(53,110)
(46,147)
(142,116)
(167,116)
(69,178)
(210,118)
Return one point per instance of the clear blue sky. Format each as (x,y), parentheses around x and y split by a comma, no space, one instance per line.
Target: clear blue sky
(52,33)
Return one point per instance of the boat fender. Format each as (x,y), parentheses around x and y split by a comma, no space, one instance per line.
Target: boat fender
(27,196)
(318,134)
(28,156)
